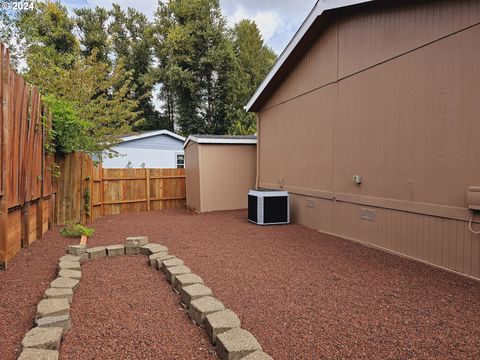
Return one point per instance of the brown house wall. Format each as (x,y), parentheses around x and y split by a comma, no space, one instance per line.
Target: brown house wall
(397,103)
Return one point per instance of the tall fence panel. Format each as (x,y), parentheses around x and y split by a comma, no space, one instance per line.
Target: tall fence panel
(87,191)
(117,191)
(74,168)
(26,184)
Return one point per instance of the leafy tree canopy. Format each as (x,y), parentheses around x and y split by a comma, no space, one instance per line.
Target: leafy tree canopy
(90,99)
(101,70)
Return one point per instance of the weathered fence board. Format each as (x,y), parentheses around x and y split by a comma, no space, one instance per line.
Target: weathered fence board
(26,184)
(132,190)
(114,191)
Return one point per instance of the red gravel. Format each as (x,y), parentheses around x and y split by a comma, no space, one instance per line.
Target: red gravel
(307,295)
(22,287)
(124,309)
(303,294)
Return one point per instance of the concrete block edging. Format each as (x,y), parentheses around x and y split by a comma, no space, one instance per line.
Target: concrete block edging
(222,325)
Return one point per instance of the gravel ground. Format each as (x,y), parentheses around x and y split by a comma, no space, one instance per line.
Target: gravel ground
(130,312)
(22,287)
(307,295)
(303,294)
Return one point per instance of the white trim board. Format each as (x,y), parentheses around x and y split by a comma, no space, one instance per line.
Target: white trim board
(153,133)
(219,140)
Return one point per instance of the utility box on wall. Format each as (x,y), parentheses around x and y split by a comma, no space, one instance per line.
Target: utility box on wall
(473,198)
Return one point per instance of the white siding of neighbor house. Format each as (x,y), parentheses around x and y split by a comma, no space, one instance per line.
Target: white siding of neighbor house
(154,152)
(160,142)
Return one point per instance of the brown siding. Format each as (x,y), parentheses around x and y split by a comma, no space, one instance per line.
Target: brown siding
(378,33)
(192,171)
(403,114)
(369,37)
(219,176)
(227,174)
(299,128)
(319,61)
(410,126)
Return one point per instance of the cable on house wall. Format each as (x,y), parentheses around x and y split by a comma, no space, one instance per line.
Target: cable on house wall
(470,225)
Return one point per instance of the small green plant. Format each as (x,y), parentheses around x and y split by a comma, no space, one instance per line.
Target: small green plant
(86,199)
(76,231)
(55,170)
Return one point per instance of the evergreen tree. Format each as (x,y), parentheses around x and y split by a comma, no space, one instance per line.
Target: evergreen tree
(47,32)
(204,72)
(131,34)
(92,30)
(253,60)
(195,58)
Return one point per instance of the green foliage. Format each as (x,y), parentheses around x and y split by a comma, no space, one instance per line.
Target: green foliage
(86,199)
(253,60)
(90,98)
(89,103)
(70,133)
(47,32)
(131,38)
(99,68)
(91,24)
(195,58)
(76,231)
(242,128)
(55,170)
(11,36)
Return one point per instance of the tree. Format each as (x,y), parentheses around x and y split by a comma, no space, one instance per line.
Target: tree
(47,31)
(11,36)
(195,58)
(92,29)
(131,34)
(253,60)
(89,98)
(90,103)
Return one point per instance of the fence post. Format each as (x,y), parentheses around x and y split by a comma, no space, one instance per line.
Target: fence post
(5,153)
(102,206)
(25,228)
(51,213)
(147,187)
(40,218)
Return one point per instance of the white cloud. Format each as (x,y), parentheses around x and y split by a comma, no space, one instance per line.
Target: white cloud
(277,20)
(267,21)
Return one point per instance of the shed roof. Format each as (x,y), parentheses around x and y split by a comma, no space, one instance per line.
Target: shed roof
(221,139)
(320,8)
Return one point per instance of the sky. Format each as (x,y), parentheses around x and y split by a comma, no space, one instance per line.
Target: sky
(278,20)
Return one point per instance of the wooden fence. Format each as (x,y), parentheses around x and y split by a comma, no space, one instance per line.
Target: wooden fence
(26,186)
(32,201)
(87,192)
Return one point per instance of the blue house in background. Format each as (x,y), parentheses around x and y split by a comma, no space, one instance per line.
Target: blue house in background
(155,149)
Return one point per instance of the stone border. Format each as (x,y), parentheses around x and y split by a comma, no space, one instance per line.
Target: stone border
(222,325)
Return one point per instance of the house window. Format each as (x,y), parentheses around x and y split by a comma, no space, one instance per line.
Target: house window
(180,161)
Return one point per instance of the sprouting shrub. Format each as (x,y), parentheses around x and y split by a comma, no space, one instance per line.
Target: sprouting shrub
(76,231)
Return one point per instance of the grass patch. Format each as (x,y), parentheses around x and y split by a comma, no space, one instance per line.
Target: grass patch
(76,231)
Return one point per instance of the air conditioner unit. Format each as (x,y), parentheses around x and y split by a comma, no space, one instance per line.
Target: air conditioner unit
(268,207)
